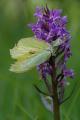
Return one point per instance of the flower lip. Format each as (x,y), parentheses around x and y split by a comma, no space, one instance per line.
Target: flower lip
(68,73)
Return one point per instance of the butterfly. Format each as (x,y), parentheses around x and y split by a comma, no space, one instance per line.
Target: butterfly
(30,52)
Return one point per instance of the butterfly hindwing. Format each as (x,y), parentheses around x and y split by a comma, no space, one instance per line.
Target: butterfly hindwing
(27,64)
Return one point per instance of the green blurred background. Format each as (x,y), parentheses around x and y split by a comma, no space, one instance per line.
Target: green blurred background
(18,98)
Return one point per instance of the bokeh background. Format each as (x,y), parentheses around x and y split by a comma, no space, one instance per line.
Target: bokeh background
(18,98)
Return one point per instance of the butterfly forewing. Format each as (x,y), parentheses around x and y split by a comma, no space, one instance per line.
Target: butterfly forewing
(28,47)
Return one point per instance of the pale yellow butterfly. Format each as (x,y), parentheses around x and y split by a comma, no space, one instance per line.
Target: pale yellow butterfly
(30,52)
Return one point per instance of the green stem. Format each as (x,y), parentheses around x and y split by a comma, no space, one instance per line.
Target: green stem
(56,106)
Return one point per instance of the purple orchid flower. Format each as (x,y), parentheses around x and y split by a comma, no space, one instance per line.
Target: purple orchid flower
(50,26)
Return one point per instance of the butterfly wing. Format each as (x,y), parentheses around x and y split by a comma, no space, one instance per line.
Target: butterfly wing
(29,52)
(27,47)
(27,64)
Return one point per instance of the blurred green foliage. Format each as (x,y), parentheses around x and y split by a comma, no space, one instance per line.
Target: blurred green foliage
(18,98)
